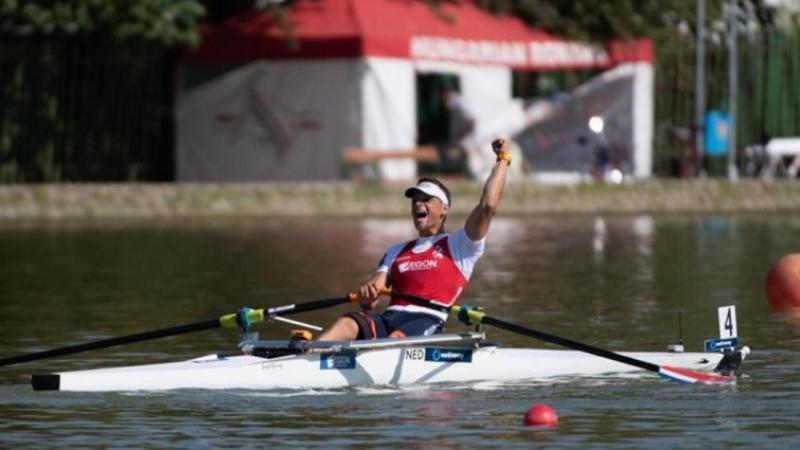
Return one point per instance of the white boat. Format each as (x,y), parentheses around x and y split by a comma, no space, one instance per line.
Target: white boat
(444,358)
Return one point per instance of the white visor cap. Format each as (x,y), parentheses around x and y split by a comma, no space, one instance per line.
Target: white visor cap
(428,188)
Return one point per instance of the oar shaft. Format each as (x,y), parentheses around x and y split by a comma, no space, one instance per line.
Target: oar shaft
(309,306)
(96,345)
(228,320)
(530,332)
(564,342)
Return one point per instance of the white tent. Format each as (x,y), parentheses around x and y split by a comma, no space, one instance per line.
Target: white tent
(348,79)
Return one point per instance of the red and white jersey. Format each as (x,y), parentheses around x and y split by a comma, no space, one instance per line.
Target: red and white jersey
(432,267)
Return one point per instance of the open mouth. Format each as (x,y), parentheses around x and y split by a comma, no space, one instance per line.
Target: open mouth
(420,214)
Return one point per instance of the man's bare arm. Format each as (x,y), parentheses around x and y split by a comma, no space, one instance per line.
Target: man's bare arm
(480,218)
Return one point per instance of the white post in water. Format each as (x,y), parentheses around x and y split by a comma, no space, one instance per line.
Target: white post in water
(700,87)
(733,172)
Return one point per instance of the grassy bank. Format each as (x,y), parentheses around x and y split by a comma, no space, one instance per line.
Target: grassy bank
(59,201)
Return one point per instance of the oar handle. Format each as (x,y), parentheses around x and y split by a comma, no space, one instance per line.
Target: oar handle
(357,297)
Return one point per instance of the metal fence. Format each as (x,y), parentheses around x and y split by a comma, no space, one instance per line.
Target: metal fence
(77,108)
(768,94)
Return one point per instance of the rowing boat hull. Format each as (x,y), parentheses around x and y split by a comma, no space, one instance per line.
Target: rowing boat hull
(392,366)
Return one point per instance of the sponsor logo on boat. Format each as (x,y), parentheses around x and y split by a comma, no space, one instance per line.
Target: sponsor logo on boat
(719,344)
(448,355)
(337,361)
(425,264)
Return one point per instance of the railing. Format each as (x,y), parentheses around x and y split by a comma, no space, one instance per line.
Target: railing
(768,94)
(80,109)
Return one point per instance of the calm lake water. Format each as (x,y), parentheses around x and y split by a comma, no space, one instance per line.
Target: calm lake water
(617,282)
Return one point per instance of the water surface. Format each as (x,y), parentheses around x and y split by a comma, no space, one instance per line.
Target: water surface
(617,282)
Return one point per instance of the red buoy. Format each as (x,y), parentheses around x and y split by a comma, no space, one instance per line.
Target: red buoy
(783,284)
(540,415)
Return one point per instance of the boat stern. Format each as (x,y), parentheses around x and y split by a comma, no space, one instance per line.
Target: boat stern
(46,382)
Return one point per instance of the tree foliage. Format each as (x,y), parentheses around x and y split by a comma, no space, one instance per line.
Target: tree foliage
(166,22)
(596,19)
(606,19)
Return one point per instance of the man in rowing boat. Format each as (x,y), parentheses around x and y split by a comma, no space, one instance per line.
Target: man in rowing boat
(435,266)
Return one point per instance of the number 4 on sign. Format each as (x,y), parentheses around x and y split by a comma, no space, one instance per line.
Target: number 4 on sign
(727,321)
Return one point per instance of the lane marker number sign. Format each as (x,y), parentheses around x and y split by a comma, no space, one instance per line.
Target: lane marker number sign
(727,321)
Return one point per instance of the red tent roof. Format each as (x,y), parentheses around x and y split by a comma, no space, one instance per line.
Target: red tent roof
(456,31)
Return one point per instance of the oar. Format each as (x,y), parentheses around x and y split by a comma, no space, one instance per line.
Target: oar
(470,315)
(244,317)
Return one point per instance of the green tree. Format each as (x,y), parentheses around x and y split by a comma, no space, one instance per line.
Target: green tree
(167,22)
(608,19)
(84,86)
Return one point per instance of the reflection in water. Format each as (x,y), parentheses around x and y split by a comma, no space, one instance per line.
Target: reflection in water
(599,240)
(642,230)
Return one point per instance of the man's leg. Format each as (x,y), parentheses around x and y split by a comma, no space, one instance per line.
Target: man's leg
(343,329)
(405,324)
